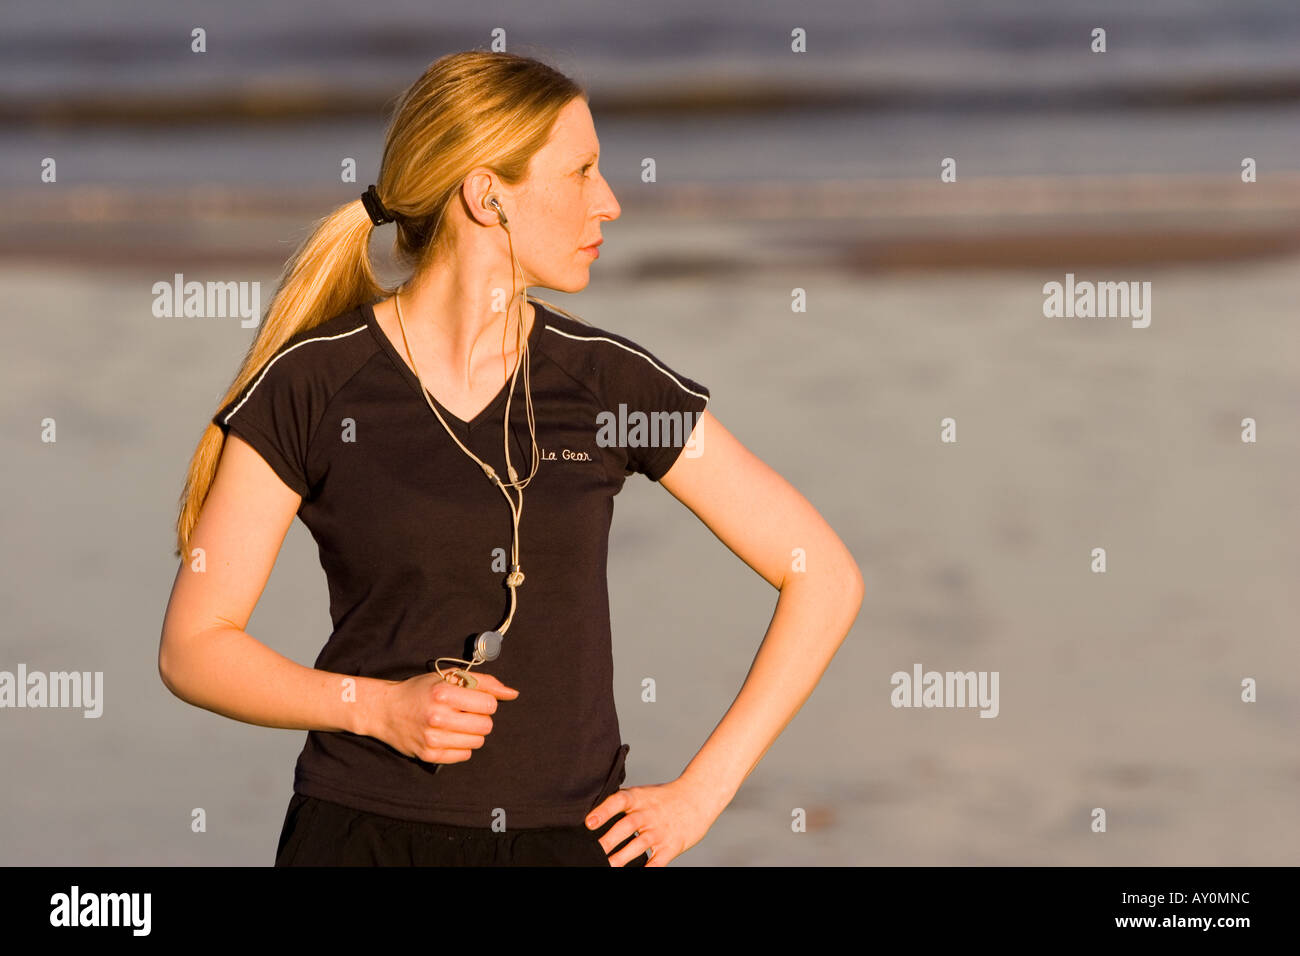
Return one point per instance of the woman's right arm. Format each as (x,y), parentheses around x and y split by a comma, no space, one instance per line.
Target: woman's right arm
(206,658)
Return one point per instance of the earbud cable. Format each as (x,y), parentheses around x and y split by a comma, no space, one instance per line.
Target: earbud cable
(516,576)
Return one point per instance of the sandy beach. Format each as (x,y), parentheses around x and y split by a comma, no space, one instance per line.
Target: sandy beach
(1119,690)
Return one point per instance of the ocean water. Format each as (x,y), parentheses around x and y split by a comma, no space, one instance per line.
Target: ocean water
(885,89)
(133,47)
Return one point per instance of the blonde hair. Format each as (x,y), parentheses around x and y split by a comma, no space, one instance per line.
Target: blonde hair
(468,109)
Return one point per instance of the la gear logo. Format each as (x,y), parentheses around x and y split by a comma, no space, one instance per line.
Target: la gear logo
(565,454)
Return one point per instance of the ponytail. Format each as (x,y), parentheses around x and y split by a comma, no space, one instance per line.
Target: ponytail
(329,274)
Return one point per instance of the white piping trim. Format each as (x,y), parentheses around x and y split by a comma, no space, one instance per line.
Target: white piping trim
(319,338)
(601,338)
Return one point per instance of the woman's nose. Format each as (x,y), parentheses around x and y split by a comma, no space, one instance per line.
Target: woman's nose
(613,209)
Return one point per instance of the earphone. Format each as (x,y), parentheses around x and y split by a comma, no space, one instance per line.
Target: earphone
(487,645)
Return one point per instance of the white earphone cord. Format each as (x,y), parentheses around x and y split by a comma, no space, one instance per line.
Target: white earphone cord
(516,575)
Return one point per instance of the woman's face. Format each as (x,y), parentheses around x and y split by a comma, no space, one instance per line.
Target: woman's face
(556,213)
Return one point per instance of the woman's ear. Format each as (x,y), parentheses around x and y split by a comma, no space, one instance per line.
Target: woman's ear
(474,192)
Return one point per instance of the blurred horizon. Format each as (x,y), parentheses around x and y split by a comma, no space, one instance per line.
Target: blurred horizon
(335,57)
(849,134)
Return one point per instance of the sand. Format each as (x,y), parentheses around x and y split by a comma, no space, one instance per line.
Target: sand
(1119,690)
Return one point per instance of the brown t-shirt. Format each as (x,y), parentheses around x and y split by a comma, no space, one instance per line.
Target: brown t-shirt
(415,543)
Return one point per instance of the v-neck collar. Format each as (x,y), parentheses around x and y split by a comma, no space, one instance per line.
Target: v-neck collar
(386,344)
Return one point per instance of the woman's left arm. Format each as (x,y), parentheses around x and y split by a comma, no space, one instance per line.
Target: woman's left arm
(765,521)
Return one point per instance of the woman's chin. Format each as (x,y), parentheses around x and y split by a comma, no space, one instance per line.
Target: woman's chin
(576,282)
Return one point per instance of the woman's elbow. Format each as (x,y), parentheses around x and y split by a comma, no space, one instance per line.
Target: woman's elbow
(854,587)
(839,581)
(165,672)
(857,587)
(170,669)
(848,581)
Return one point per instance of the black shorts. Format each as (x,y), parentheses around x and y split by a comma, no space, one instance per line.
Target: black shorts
(322,833)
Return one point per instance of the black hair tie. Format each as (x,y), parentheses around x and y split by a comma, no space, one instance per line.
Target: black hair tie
(378,214)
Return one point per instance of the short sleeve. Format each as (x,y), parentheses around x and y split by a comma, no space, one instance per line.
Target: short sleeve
(274,415)
(654,407)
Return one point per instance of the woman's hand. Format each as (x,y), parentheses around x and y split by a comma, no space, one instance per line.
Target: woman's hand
(670,818)
(438,722)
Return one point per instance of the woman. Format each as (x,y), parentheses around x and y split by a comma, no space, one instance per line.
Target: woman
(383,425)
